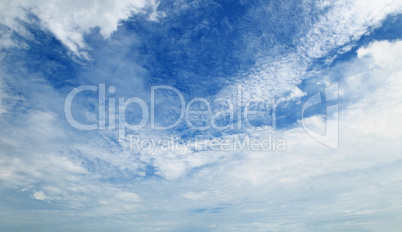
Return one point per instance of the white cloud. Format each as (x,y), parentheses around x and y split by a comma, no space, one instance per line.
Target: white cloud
(3,96)
(383,55)
(345,22)
(69,21)
(41,196)
(276,75)
(195,196)
(127,196)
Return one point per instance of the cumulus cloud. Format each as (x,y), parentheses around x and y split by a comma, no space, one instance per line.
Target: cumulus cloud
(69,21)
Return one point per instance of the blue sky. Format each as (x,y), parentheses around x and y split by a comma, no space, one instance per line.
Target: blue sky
(339,168)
